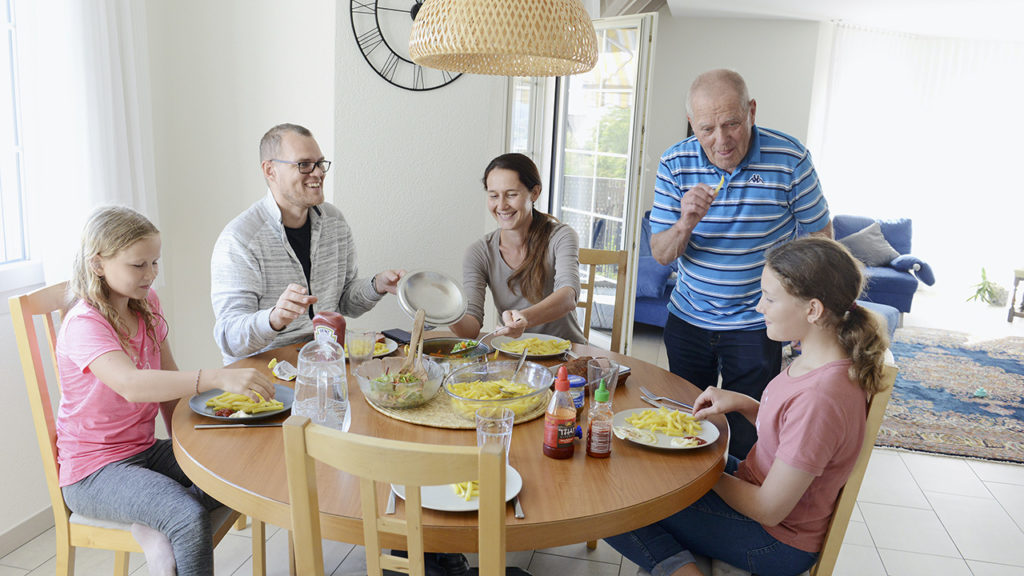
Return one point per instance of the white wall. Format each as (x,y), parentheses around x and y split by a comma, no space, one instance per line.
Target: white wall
(409,169)
(776,57)
(223,73)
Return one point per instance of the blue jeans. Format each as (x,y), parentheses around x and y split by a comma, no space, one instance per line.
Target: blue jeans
(711,528)
(746,359)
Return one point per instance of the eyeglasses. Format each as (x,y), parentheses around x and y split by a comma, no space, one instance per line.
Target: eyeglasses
(307,167)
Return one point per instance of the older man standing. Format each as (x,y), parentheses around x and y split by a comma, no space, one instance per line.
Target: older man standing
(722,198)
(289,255)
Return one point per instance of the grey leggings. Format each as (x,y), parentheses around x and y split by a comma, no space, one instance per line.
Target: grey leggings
(150,488)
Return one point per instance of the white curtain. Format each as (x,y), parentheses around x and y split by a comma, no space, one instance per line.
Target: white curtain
(926,128)
(87,120)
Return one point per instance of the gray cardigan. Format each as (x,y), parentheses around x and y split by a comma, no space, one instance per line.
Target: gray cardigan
(253,263)
(484,267)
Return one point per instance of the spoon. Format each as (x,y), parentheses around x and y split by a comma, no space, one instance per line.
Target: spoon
(519,365)
(415,338)
(474,346)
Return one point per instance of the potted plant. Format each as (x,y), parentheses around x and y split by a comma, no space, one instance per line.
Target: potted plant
(989,292)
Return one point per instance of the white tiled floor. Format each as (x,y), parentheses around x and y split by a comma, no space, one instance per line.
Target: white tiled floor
(916,514)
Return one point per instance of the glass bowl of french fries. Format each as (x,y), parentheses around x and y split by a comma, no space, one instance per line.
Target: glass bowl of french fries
(385,387)
(474,386)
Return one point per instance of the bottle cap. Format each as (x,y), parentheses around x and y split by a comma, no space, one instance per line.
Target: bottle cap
(562,381)
(602,393)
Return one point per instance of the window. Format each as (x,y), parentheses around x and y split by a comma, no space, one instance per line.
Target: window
(13,245)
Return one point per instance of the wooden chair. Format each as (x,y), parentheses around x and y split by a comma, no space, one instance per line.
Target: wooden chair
(592,259)
(375,460)
(73,530)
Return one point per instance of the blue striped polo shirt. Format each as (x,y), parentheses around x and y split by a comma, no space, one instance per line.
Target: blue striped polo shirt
(772,196)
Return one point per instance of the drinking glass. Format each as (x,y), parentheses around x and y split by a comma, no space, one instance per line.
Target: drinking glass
(494,424)
(602,369)
(321,387)
(360,347)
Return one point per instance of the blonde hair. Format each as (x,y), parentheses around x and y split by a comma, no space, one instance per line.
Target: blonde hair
(108,231)
(823,269)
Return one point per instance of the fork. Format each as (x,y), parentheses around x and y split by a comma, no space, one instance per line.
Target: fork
(653,396)
(390,509)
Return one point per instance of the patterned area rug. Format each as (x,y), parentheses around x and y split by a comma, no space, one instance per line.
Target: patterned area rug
(956,398)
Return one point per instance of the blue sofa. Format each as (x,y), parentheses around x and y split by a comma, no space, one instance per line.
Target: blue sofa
(654,282)
(893,283)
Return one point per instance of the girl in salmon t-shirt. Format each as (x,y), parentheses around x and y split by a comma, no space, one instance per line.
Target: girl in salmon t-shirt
(768,514)
(117,373)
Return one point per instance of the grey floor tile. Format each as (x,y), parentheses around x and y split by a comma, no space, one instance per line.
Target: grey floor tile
(980,527)
(627,568)
(11,571)
(998,471)
(989,569)
(858,561)
(898,563)
(941,474)
(889,481)
(1011,498)
(907,529)
(857,533)
(603,552)
(33,553)
(553,565)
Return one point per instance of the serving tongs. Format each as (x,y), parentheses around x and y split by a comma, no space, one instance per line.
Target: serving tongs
(413,359)
(465,351)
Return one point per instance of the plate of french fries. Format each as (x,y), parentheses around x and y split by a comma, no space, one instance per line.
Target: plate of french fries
(382,347)
(663,428)
(229,407)
(536,345)
(461,497)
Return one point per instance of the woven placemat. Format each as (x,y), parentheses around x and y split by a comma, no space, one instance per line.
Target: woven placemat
(439,413)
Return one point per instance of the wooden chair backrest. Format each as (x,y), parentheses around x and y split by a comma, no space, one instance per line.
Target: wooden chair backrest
(848,496)
(375,460)
(592,259)
(49,304)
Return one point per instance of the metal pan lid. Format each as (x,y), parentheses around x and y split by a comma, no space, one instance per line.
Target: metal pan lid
(439,296)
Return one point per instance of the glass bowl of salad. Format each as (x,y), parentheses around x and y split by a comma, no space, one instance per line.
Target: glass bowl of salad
(385,387)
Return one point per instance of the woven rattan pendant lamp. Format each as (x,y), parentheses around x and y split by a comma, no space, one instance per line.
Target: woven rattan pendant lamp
(504,37)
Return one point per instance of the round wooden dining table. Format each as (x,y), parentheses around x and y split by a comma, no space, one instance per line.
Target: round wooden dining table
(565,501)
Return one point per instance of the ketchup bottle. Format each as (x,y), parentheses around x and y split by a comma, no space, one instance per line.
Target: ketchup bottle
(560,420)
(330,325)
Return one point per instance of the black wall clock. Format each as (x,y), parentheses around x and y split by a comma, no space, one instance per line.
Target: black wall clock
(382,29)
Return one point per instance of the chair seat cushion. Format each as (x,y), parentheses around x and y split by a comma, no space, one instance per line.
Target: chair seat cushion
(217,518)
(651,277)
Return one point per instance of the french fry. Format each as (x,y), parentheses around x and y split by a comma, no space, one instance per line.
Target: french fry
(668,422)
(236,402)
(467,490)
(537,346)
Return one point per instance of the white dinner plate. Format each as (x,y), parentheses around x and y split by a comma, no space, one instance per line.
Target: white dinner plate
(498,341)
(391,344)
(708,432)
(445,499)
(198,405)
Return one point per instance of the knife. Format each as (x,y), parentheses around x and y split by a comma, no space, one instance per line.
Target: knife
(390,509)
(209,426)
(518,508)
(656,404)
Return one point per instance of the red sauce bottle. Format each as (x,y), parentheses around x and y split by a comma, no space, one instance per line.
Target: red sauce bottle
(560,420)
(329,325)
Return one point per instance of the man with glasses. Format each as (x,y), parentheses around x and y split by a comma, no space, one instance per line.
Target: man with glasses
(288,256)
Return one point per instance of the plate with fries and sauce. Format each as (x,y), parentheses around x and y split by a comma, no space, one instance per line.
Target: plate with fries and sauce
(538,345)
(663,428)
(211,402)
(453,498)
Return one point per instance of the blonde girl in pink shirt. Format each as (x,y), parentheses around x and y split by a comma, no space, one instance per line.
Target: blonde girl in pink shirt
(768,514)
(117,373)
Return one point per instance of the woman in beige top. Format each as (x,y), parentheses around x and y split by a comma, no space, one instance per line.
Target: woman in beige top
(531,262)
